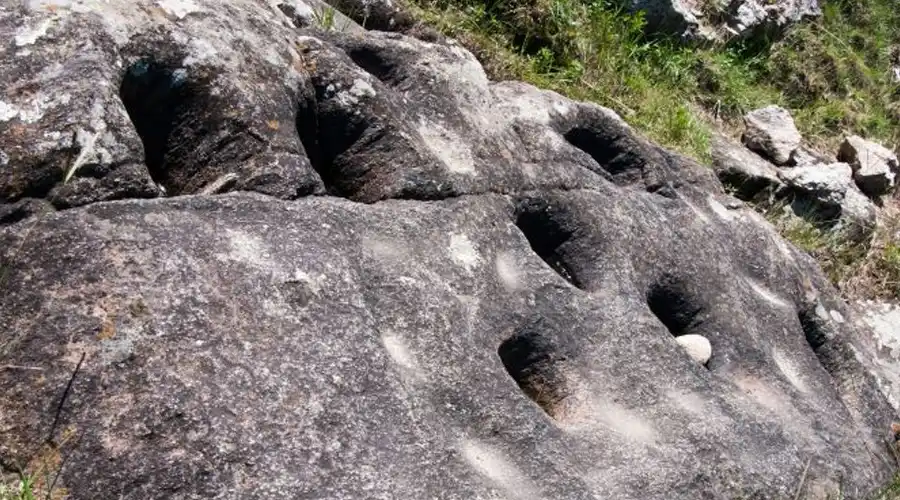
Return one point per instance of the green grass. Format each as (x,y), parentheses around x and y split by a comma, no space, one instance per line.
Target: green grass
(840,258)
(38,479)
(21,488)
(860,269)
(889,492)
(588,51)
(833,73)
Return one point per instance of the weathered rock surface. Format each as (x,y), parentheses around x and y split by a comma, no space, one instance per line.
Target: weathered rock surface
(746,173)
(882,321)
(875,167)
(804,156)
(828,184)
(717,20)
(772,133)
(485,305)
(829,191)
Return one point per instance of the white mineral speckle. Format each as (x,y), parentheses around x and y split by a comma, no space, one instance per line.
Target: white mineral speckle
(361,88)
(693,402)
(28,35)
(508,271)
(246,248)
(400,353)
(463,251)
(200,51)
(789,370)
(699,213)
(454,152)
(837,316)
(7,112)
(384,250)
(615,417)
(35,108)
(496,467)
(885,326)
(762,394)
(766,294)
(720,209)
(561,108)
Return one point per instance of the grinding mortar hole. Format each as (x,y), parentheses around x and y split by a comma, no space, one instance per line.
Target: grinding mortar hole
(815,327)
(157,98)
(328,133)
(533,361)
(307,123)
(671,302)
(622,156)
(371,60)
(548,233)
(618,155)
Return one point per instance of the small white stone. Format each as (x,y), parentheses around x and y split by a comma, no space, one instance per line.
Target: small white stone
(697,347)
(7,112)
(837,316)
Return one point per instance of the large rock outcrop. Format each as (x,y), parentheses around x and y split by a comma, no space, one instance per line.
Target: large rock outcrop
(417,283)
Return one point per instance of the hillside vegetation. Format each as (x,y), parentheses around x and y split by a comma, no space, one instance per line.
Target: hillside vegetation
(833,73)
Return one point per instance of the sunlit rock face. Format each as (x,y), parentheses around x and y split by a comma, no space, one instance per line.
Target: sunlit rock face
(247,257)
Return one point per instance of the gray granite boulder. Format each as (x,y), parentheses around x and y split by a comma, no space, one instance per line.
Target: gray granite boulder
(882,345)
(376,274)
(742,171)
(769,17)
(805,156)
(829,191)
(772,133)
(875,167)
(680,19)
(829,184)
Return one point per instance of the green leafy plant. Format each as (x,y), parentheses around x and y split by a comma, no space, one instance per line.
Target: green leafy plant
(327,18)
(324,17)
(21,488)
